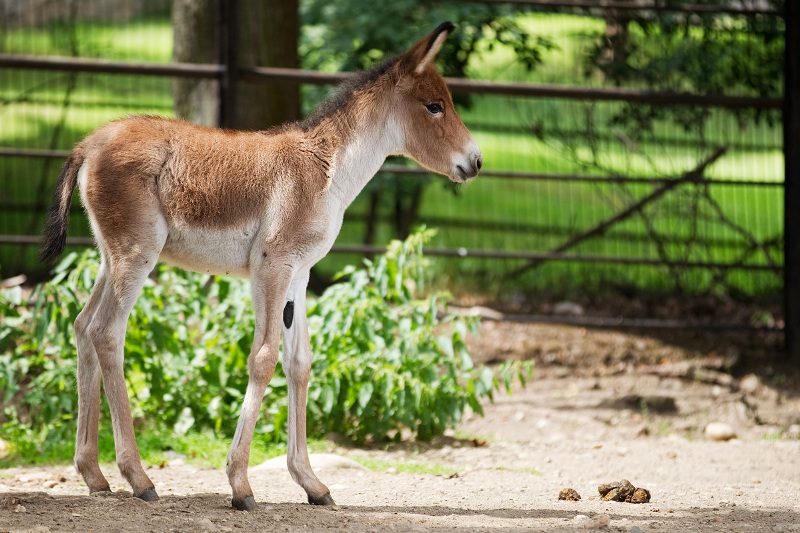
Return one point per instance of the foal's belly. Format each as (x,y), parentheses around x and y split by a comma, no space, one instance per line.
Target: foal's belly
(222,252)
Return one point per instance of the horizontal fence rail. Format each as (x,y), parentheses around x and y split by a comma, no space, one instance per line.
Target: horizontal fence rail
(458,85)
(618,5)
(500,174)
(368,250)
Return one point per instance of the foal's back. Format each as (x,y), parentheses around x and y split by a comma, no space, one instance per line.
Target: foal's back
(200,176)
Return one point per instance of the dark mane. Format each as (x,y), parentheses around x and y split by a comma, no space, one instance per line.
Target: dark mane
(344,94)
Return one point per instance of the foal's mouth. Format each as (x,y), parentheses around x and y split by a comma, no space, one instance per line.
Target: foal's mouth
(462,175)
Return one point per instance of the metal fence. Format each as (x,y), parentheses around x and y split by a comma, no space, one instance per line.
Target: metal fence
(569,202)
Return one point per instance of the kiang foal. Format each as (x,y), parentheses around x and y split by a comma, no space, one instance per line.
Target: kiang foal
(262,205)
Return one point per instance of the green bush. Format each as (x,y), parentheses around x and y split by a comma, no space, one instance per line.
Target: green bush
(384,361)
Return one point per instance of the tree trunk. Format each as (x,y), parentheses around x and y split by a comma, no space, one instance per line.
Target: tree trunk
(268,35)
(195,41)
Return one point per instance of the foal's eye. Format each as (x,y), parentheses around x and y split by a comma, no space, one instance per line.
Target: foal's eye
(434,108)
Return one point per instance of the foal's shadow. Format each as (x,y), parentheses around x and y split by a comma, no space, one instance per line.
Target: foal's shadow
(120,510)
(85,509)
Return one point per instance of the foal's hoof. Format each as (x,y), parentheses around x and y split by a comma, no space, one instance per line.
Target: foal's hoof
(149,495)
(102,491)
(247,503)
(325,500)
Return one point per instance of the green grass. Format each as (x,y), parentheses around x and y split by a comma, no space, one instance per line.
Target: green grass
(146,40)
(405,466)
(538,215)
(205,449)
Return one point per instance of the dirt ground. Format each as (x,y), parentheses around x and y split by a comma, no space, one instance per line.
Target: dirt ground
(603,406)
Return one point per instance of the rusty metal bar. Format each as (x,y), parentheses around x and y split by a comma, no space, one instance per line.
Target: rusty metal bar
(467,86)
(37,153)
(366,249)
(104,66)
(641,6)
(37,239)
(496,174)
(459,85)
(632,323)
(543,176)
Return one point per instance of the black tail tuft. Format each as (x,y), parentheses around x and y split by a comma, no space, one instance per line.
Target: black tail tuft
(55,236)
(55,229)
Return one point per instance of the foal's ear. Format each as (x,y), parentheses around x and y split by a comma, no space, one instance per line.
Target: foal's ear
(424,51)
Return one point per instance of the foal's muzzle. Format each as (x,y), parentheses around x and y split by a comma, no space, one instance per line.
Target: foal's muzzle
(467,168)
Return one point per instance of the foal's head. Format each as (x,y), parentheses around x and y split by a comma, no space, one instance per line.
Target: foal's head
(433,133)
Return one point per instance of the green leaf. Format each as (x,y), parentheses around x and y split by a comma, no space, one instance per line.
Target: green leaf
(446,345)
(487,379)
(365,394)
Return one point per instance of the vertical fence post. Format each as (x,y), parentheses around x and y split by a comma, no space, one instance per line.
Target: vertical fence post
(228,42)
(791,194)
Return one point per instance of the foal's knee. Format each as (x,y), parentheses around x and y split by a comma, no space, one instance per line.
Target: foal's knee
(106,342)
(81,324)
(297,368)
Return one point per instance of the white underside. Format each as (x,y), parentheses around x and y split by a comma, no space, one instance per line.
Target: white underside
(221,252)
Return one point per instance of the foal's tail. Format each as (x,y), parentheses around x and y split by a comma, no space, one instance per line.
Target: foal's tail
(55,230)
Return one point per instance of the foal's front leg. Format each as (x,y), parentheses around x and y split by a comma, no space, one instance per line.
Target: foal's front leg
(297,366)
(269,287)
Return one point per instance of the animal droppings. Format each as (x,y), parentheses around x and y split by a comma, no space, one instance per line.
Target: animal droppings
(640,495)
(570,495)
(623,491)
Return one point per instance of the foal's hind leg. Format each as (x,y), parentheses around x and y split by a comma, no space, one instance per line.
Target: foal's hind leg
(126,276)
(89,392)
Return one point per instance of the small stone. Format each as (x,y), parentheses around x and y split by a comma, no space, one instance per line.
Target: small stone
(19,508)
(205,524)
(794,431)
(719,431)
(50,484)
(568,309)
(636,529)
(749,384)
(570,495)
(602,521)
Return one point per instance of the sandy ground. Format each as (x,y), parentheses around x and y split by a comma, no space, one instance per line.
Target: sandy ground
(603,406)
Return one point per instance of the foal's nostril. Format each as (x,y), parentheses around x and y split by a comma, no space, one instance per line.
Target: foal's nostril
(477,162)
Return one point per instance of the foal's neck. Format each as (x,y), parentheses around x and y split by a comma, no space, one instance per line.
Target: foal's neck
(366,141)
